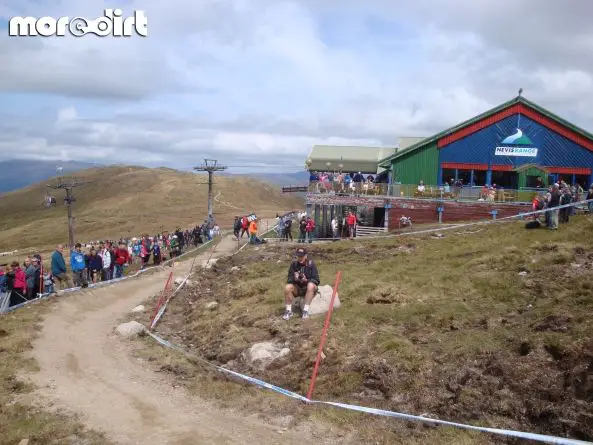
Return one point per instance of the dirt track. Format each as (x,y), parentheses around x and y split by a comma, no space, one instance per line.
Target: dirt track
(86,369)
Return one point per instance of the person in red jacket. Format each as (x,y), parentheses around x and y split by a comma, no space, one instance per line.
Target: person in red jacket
(351,222)
(122,257)
(18,294)
(244,226)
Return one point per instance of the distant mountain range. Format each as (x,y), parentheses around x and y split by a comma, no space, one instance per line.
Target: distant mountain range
(298,178)
(16,174)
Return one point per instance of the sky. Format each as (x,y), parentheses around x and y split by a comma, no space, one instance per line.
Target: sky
(256,83)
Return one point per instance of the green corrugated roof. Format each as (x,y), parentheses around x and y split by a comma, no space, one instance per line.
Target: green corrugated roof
(519,99)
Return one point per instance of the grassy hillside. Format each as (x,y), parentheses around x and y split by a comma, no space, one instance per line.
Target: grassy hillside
(124,201)
(490,326)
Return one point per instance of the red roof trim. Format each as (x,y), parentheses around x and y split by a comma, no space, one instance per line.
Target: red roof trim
(569,170)
(526,111)
(508,168)
(502,168)
(464,166)
(468,166)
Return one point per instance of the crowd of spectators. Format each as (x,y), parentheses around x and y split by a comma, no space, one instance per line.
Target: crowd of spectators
(95,261)
(558,195)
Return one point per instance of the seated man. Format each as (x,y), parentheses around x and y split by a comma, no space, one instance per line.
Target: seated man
(303,279)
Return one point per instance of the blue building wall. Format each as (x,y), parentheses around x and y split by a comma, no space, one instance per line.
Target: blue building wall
(553,149)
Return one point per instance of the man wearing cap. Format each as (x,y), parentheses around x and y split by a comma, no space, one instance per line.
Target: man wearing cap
(303,279)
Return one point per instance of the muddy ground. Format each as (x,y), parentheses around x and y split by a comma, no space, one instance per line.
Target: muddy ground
(505,342)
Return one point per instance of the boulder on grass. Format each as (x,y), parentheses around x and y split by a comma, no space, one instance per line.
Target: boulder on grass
(321,301)
(130,329)
(260,355)
(207,264)
(212,305)
(179,280)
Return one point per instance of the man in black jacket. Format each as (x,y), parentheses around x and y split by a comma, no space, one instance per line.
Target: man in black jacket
(303,279)
(553,203)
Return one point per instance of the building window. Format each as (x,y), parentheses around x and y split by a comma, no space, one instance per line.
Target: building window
(582,180)
(479,177)
(534,181)
(448,175)
(464,176)
(508,180)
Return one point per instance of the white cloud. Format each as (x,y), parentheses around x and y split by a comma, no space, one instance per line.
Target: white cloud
(67,114)
(262,81)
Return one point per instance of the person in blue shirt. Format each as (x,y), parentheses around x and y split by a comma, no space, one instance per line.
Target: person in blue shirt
(78,266)
(156,252)
(347,181)
(58,269)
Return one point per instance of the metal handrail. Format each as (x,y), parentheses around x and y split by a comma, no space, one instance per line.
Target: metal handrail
(463,193)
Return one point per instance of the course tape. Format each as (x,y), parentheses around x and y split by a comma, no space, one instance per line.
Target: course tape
(505,219)
(163,308)
(377,412)
(106,283)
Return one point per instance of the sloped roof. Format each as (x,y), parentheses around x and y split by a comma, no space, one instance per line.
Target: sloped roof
(407,141)
(352,158)
(528,166)
(517,100)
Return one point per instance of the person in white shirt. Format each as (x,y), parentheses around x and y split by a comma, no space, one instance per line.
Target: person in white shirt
(421,187)
(105,255)
(334,224)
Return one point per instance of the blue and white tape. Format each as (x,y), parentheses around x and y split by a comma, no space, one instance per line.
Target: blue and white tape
(543,438)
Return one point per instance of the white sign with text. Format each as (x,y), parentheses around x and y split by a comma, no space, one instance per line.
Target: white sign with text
(111,24)
(530,152)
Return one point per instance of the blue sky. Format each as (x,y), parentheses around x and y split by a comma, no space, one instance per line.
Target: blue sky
(261,81)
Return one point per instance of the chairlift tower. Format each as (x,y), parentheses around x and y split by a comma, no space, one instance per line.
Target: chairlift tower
(68,186)
(210,166)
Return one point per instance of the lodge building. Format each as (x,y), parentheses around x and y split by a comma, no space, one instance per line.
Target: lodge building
(511,145)
(518,146)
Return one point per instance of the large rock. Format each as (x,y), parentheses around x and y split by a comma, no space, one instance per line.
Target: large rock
(130,329)
(207,264)
(180,280)
(260,355)
(139,308)
(212,305)
(321,301)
